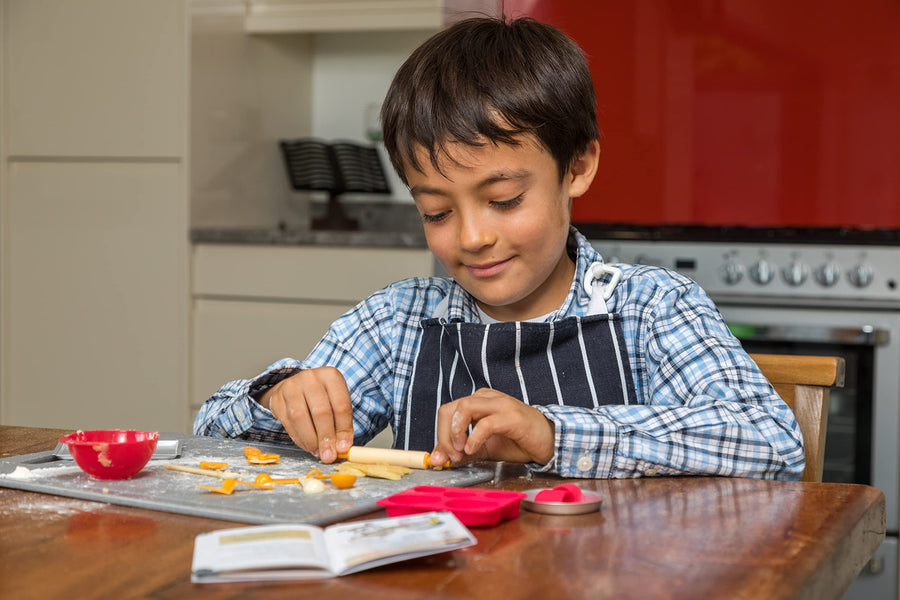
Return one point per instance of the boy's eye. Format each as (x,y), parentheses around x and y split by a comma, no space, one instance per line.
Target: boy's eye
(505,204)
(435,218)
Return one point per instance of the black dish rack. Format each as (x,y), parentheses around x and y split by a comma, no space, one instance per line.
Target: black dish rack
(336,167)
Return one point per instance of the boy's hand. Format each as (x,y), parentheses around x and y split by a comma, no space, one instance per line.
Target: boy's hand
(503,428)
(314,407)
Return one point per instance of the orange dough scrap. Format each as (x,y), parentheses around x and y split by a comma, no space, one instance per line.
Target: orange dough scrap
(229,484)
(264,459)
(266,479)
(227,487)
(212,465)
(262,486)
(255,456)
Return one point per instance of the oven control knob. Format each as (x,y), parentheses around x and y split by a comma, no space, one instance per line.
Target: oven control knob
(828,274)
(732,272)
(761,272)
(795,273)
(861,275)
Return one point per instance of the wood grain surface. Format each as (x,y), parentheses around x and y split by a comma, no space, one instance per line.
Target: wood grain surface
(674,538)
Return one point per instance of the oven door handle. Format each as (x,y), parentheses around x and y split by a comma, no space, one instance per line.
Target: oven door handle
(859,336)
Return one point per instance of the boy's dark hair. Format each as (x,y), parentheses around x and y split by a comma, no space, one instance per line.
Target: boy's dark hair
(486,79)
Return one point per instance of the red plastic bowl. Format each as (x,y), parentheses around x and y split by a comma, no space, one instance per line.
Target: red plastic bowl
(111,453)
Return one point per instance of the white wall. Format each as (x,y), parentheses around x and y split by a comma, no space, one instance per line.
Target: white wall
(351,71)
(247,92)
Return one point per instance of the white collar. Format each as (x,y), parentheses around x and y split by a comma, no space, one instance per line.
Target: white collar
(489,320)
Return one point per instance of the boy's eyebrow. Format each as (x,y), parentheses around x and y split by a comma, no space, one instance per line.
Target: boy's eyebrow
(416,190)
(498,177)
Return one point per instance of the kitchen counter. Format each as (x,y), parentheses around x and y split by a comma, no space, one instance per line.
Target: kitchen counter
(381,224)
(281,236)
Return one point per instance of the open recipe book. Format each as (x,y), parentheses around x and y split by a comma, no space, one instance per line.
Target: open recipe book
(306,551)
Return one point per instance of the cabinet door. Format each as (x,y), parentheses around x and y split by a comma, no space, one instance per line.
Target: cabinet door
(96,77)
(94,296)
(256,304)
(94,231)
(345,274)
(238,339)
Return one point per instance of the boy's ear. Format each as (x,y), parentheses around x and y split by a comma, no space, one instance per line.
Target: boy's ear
(583,169)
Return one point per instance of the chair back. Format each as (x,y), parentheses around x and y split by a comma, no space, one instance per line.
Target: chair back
(804,383)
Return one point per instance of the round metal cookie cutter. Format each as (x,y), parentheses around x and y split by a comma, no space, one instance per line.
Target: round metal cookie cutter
(590,502)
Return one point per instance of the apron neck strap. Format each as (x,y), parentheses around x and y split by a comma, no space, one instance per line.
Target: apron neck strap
(443,308)
(598,291)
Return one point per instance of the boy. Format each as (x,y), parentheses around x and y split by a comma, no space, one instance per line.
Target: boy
(535,351)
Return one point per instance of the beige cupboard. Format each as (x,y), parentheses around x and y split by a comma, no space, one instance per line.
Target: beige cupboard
(94,213)
(255,304)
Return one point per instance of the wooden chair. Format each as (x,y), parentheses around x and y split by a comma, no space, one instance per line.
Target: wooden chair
(805,382)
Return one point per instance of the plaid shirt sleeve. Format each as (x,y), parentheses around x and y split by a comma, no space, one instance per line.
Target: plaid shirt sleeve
(232,413)
(703,405)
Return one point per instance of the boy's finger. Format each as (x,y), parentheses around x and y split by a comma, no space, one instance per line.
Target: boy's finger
(318,415)
(444,438)
(289,407)
(342,412)
(438,456)
(459,425)
(479,434)
(323,421)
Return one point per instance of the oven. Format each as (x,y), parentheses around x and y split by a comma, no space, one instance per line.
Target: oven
(839,298)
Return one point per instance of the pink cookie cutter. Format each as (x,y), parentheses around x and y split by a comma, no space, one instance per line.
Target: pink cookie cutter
(474,507)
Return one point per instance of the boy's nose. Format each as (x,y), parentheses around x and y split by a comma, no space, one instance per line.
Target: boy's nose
(474,234)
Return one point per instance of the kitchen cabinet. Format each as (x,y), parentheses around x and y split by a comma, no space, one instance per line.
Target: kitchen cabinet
(94,204)
(312,16)
(254,304)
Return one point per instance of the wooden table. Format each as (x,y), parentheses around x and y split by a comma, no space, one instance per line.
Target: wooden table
(687,537)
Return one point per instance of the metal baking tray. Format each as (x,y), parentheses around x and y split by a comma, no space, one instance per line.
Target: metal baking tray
(590,503)
(165,449)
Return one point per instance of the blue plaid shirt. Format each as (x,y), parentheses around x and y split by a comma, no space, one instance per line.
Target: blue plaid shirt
(703,405)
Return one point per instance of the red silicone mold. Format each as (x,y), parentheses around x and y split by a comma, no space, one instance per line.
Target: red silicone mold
(471,506)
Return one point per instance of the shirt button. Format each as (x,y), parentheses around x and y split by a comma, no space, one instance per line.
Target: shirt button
(585,463)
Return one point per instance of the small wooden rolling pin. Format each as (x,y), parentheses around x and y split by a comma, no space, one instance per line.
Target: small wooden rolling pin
(412,459)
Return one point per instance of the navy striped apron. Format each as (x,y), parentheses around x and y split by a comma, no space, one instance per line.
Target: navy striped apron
(575,361)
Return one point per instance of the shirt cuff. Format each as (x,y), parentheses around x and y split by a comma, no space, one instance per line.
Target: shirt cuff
(585,444)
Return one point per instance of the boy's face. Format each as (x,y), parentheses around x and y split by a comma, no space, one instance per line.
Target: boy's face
(497,220)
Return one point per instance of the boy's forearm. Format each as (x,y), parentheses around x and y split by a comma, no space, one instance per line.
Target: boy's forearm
(644,441)
(233,410)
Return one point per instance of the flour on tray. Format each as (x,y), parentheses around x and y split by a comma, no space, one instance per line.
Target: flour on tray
(22,474)
(25,474)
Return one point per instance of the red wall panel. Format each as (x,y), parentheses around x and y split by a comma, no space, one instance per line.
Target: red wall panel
(740,112)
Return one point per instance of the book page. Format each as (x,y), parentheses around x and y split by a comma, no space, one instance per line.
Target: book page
(362,545)
(259,552)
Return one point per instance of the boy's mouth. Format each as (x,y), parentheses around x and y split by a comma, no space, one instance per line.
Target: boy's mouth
(488,269)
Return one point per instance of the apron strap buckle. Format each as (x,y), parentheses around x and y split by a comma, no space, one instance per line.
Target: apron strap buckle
(596,271)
